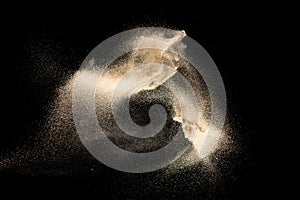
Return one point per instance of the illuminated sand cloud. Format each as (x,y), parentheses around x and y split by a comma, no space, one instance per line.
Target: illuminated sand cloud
(155,67)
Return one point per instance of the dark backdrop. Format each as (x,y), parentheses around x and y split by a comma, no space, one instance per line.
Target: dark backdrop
(239,39)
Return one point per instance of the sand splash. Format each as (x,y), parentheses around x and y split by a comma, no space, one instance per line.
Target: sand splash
(61,139)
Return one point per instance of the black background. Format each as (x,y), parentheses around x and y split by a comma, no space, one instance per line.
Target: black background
(239,39)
